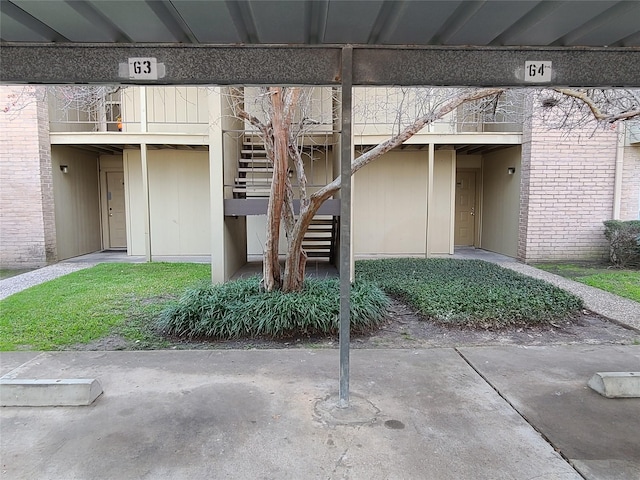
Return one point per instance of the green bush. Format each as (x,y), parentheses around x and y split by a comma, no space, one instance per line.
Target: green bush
(240,309)
(624,242)
(469,292)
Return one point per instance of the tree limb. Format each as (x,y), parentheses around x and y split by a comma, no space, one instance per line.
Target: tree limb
(595,110)
(397,140)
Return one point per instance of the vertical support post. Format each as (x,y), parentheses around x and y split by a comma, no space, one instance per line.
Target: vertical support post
(145,176)
(452,216)
(345,222)
(431,166)
(216,186)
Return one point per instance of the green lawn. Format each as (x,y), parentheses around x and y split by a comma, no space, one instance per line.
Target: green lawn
(625,283)
(89,304)
(128,299)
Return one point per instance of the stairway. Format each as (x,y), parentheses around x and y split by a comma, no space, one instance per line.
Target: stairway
(254,181)
(254,170)
(321,238)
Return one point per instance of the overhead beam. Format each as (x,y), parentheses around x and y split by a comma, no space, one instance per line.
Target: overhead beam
(495,66)
(319,65)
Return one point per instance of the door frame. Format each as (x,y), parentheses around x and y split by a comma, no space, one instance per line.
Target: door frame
(477,223)
(104,207)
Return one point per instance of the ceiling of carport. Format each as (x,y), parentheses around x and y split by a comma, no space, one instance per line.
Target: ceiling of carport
(373,22)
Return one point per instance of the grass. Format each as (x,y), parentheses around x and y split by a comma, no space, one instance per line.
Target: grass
(92,303)
(469,292)
(625,283)
(240,309)
(128,299)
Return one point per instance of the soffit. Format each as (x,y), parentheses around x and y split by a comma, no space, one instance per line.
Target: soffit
(316,22)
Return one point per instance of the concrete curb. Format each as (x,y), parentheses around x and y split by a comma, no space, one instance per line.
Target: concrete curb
(616,384)
(49,393)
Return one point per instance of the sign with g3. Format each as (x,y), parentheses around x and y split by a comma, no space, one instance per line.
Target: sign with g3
(143,68)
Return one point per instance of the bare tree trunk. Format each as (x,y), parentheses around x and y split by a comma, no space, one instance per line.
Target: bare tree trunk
(271,266)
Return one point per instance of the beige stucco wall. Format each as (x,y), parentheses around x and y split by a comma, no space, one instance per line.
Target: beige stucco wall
(469,161)
(501,202)
(390,205)
(179,202)
(442,213)
(77,201)
(169,109)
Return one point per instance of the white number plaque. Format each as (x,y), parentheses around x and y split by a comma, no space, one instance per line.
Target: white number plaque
(537,72)
(143,68)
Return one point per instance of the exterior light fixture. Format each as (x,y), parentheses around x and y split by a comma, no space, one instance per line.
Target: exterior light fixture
(64,168)
(511,170)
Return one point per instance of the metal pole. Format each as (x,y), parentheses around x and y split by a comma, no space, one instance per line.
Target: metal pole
(345,223)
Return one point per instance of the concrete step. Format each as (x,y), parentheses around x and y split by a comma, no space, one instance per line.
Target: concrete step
(256,169)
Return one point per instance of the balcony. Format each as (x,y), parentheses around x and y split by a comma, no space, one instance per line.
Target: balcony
(100,109)
(387,110)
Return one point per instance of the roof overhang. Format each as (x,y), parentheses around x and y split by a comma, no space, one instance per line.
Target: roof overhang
(319,65)
(395,42)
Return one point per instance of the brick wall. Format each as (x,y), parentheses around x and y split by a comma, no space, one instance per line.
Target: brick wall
(27,225)
(569,194)
(525,175)
(630,198)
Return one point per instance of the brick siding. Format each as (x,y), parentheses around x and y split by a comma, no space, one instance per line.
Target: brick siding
(27,224)
(570,193)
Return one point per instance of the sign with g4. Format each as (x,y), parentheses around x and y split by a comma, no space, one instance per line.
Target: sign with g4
(143,68)
(537,72)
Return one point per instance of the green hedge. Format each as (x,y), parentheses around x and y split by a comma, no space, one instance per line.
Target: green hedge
(624,242)
(239,309)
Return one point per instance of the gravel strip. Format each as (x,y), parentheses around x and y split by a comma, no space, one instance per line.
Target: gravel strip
(618,309)
(16,284)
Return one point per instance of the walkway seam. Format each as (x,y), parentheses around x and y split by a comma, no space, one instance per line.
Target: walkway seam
(14,373)
(546,439)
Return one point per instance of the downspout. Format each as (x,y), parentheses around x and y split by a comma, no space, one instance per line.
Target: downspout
(617,182)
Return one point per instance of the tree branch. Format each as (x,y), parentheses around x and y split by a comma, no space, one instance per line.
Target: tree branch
(595,110)
(327,191)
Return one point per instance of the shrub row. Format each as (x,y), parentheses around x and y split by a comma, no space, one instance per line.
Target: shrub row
(624,242)
(240,309)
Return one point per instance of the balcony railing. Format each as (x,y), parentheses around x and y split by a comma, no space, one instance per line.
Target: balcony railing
(377,111)
(386,110)
(108,109)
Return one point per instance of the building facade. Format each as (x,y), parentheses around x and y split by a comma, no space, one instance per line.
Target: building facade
(169,171)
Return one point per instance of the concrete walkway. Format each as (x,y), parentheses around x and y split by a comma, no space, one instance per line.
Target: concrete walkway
(435,414)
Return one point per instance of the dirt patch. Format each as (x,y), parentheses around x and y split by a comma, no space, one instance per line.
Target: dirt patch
(404,328)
